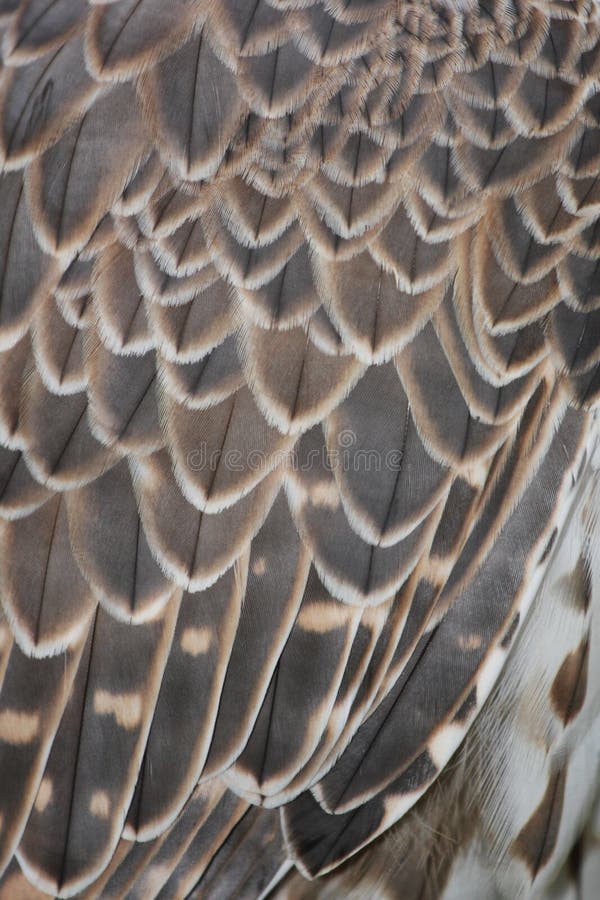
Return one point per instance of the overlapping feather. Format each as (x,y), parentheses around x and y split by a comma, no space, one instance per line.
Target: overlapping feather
(299,359)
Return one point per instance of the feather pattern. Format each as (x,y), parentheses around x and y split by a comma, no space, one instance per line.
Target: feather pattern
(299,386)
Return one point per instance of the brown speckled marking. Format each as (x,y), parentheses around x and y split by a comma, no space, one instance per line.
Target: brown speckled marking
(580,589)
(570,685)
(536,841)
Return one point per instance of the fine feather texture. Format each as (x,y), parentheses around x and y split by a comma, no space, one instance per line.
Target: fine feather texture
(299,376)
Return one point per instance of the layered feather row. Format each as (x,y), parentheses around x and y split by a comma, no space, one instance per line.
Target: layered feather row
(299,346)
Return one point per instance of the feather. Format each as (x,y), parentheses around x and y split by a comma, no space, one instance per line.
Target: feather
(123,39)
(506,301)
(44,597)
(184,124)
(170,207)
(351,568)
(328,41)
(272,598)
(38,102)
(447,428)
(111,708)
(32,703)
(20,494)
(59,446)
(522,161)
(183,251)
(251,29)
(202,849)
(76,281)
(544,105)
(388,483)
(285,301)
(290,723)
(578,278)
(192,547)
(13,364)
(58,349)
(209,381)
(67,207)
(21,281)
(187,332)
(299,371)
(149,865)
(574,337)
(187,705)
(138,191)
(254,219)
(43,25)
(221,453)
(581,196)
(116,563)
(417,265)
(486,400)
(340,790)
(373,315)
(351,211)
(248,860)
(544,215)
(159,287)
(517,252)
(277,83)
(296,388)
(122,399)
(248,266)
(118,302)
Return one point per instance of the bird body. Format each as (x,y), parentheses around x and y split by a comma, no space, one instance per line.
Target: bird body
(299,493)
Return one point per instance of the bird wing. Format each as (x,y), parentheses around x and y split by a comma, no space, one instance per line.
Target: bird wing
(299,356)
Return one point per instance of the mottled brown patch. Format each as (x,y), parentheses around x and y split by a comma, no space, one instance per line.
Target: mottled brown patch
(582,584)
(570,685)
(536,841)
(576,587)
(510,632)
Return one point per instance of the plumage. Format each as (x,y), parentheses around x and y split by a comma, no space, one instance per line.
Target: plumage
(48,605)
(299,427)
(67,189)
